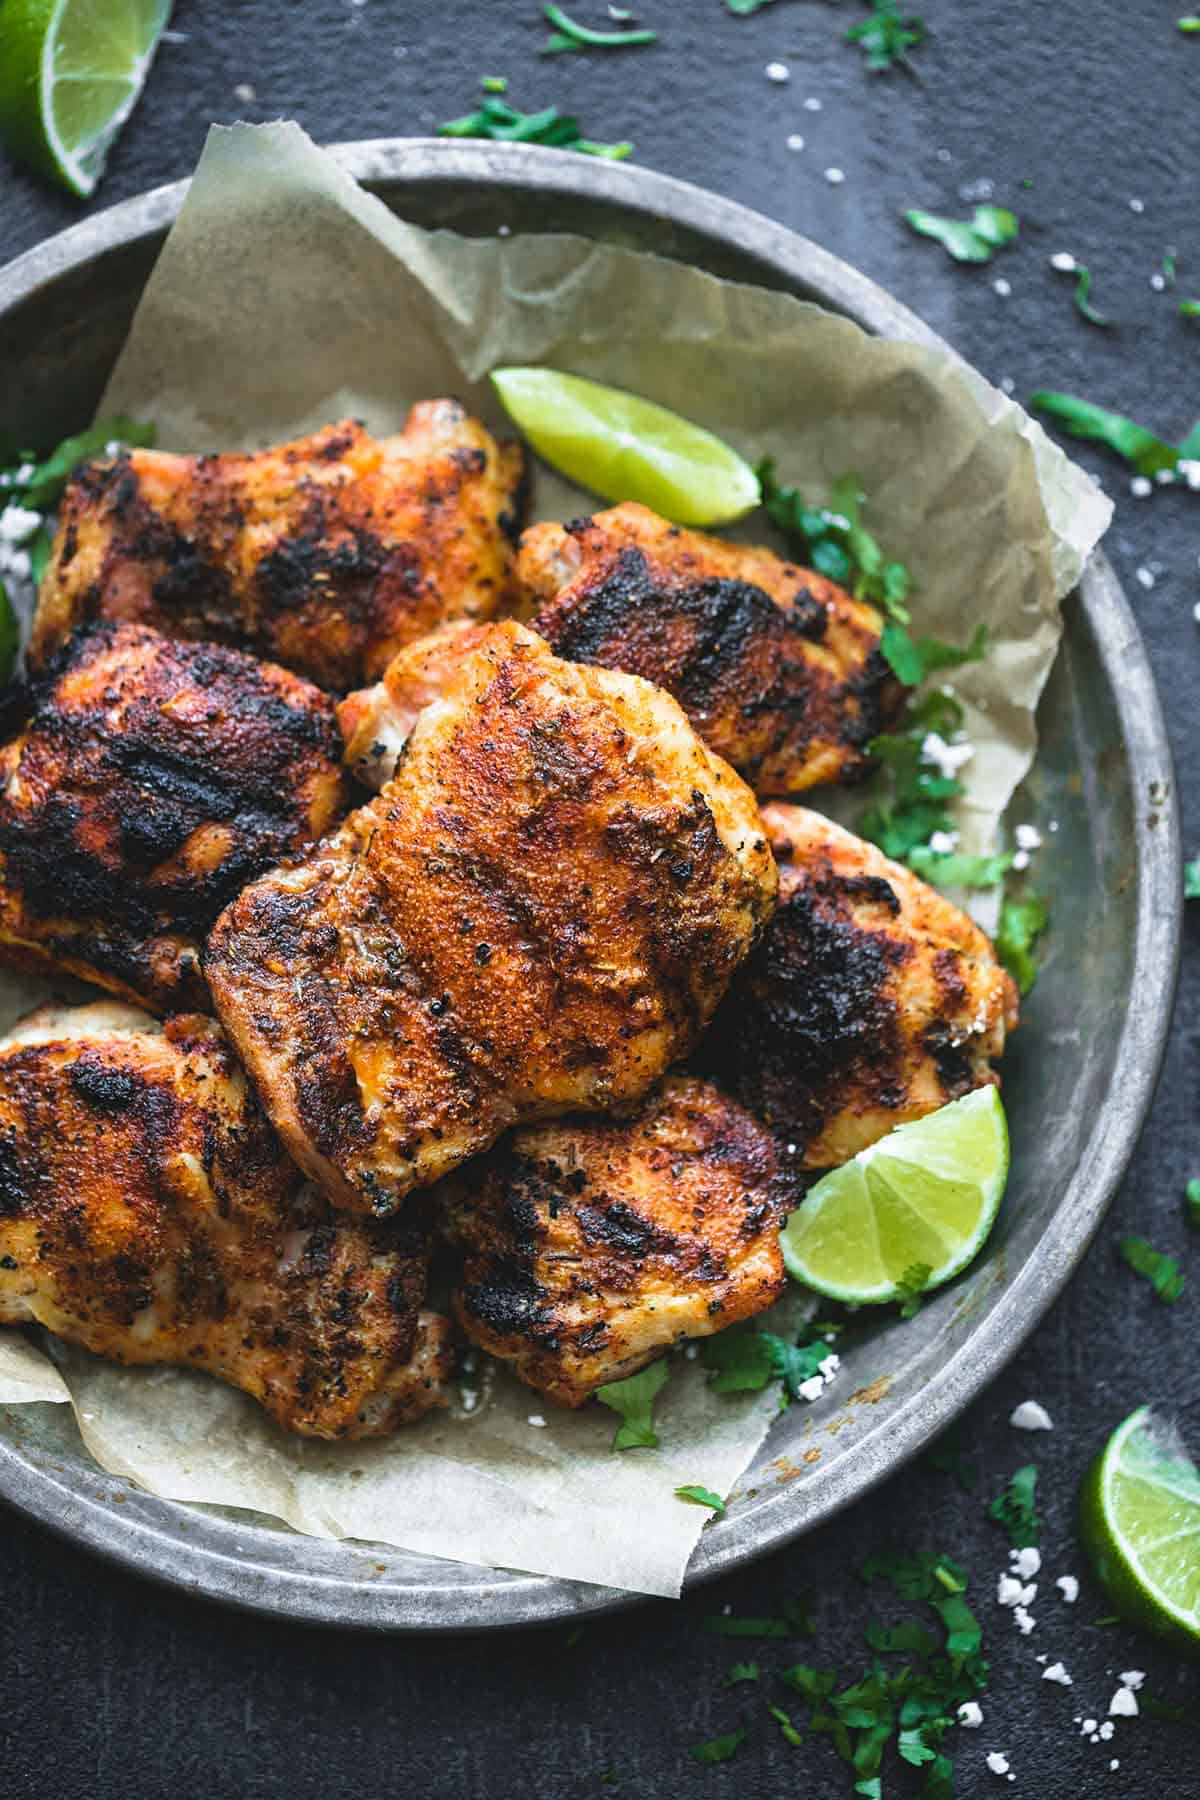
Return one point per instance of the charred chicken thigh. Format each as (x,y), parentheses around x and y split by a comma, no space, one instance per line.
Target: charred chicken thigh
(870,1001)
(779,670)
(148,1213)
(593,1245)
(325,554)
(152,781)
(538,914)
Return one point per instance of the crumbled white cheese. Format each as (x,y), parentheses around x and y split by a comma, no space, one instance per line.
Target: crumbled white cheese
(1031,1415)
(997,1762)
(1068,1587)
(1025,1620)
(1026,1562)
(1064,261)
(1020,859)
(244,92)
(1123,1704)
(1137,206)
(1164,477)
(1144,578)
(1133,1678)
(18,523)
(831,1365)
(949,758)
(942,843)
(1009,1591)
(1189,468)
(795,141)
(812,104)
(1008,385)
(1141,488)
(535,1419)
(835,177)
(1002,287)
(970,1715)
(1158,282)
(777,71)
(1088,1728)
(1115,1763)
(1106,1730)
(1056,1672)
(812,1389)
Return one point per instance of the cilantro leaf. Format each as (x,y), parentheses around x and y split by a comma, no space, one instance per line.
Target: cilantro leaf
(887,36)
(1191,23)
(44,487)
(567,35)
(1191,880)
(1023,918)
(815,1684)
(633,1398)
(834,542)
(953,868)
(1191,1201)
(907,1636)
(1093,424)
(1083,288)
(1014,1509)
(1190,309)
(747,1671)
(911,1286)
(974,240)
(702,1496)
(745,1361)
(496,119)
(744,8)
(719,1749)
(1160,1270)
(793,1620)
(785,1725)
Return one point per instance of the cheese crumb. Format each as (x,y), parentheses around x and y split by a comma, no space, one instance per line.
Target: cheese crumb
(970,1715)
(812,1389)
(812,104)
(1063,260)
(778,71)
(1008,1591)
(244,92)
(18,523)
(1141,488)
(1123,1704)
(942,843)
(1031,1415)
(1144,578)
(1106,1730)
(997,1762)
(795,141)
(535,1419)
(1158,283)
(1056,1672)
(1068,1587)
(1026,1563)
(1088,1728)
(835,177)
(948,757)
(1133,1678)
(1002,287)
(1025,1620)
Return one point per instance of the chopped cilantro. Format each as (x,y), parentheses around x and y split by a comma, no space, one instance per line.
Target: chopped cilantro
(496,119)
(1083,288)
(747,1671)
(1191,880)
(633,1398)
(911,1286)
(910,791)
(1191,23)
(745,7)
(719,1749)
(785,1725)
(702,1496)
(567,35)
(794,1619)
(1161,1271)
(1093,424)
(1014,1509)
(974,240)
(907,1636)
(744,1360)
(952,868)
(814,1684)
(887,36)
(1191,1201)
(1190,309)
(1023,918)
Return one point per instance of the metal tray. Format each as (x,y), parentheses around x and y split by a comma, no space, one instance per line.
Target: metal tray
(1080,1076)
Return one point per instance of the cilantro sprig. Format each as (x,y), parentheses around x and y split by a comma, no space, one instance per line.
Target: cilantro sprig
(38,484)
(743,1360)
(887,37)
(634,1399)
(702,1496)
(497,119)
(568,35)
(719,1749)
(1140,448)
(973,240)
(1016,1511)
(1154,1266)
(1023,918)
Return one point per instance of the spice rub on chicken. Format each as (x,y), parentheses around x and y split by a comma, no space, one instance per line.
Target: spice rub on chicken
(593,1245)
(779,670)
(148,1213)
(871,999)
(153,779)
(325,554)
(537,915)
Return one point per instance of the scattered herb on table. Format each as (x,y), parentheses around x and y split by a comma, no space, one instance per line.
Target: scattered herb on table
(1191,23)
(1190,309)
(1160,1270)
(1015,1509)
(1083,304)
(719,1749)
(702,1496)
(1191,879)
(784,1722)
(495,118)
(1191,1203)
(1023,918)
(1140,448)
(974,240)
(634,1399)
(794,1619)
(567,35)
(747,1671)
(887,36)
(743,8)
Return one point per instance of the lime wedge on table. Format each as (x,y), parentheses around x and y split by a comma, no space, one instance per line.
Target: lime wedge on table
(626,448)
(1140,1519)
(924,1197)
(70,75)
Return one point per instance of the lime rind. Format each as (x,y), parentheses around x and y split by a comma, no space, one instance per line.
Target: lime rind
(928,1194)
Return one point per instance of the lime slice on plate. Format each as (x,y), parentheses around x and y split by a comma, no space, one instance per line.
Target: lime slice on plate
(1140,1520)
(626,448)
(70,75)
(925,1196)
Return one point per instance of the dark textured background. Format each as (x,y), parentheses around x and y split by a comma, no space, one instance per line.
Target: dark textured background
(108,1686)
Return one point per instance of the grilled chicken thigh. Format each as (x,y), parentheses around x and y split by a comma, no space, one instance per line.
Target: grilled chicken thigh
(148,1213)
(593,1245)
(152,781)
(326,554)
(376,721)
(538,914)
(779,670)
(870,1001)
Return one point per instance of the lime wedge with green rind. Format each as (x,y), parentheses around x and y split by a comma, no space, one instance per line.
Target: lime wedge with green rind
(71,72)
(1140,1522)
(622,447)
(924,1197)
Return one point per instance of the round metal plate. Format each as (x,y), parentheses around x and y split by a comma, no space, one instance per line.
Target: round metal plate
(1080,1077)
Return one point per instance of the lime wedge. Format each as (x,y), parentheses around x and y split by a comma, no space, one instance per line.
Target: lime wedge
(912,1210)
(70,75)
(1139,1513)
(626,448)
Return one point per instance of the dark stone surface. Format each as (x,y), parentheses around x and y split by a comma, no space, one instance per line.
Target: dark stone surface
(108,1686)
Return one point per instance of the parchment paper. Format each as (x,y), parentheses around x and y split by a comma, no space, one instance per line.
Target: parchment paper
(286,297)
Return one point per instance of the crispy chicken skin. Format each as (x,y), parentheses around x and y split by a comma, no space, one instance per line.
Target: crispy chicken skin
(779,670)
(593,1245)
(152,781)
(148,1213)
(537,915)
(326,554)
(870,1001)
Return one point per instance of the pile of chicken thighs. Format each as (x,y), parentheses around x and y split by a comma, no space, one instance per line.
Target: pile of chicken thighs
(423,867)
